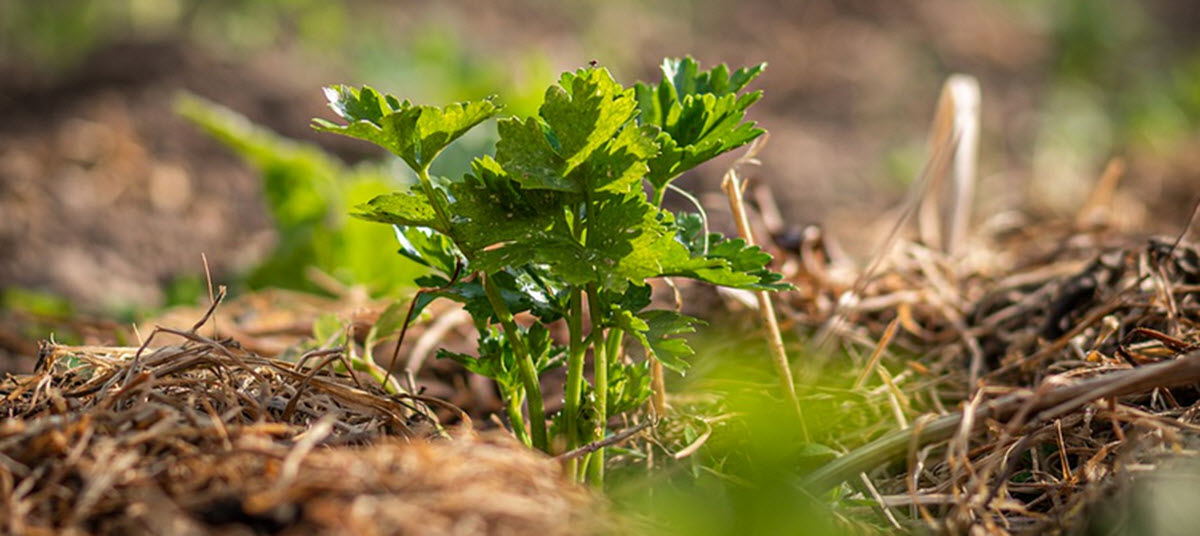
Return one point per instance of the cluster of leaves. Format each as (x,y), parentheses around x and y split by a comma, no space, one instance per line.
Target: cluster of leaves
(560,213)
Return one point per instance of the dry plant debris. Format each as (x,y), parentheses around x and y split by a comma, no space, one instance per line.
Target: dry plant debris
(1028,378)
(205,436)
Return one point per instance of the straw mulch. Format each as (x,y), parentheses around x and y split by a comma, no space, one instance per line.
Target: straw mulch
(1017,387)
(205,436)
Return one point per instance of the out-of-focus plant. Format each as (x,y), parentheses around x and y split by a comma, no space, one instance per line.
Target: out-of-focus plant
(56,35)
(32,314)
(309,194)
(1117,83)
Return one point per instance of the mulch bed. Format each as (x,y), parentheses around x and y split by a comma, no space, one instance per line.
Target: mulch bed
(205,437)
(1016,388)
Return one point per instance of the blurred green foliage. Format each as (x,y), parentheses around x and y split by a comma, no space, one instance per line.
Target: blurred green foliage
(744,479)
(1138,81)
(434,62)
(310,195)
(33,314)
(35,303)
(57,34)
(1120,79)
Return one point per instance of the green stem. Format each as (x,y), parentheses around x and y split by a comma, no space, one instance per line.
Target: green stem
(577,352)
(380,374)
(529,375)
(434,200)
(605,350)
(513,403)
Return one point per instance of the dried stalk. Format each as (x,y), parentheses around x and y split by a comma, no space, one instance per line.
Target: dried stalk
(1044,404)
(733,189)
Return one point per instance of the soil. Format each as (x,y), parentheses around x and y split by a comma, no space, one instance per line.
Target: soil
(107,195)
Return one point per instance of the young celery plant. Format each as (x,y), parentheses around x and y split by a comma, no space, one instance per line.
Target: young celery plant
(557,225)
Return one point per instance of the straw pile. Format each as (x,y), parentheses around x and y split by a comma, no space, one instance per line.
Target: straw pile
(205,436)
(1018,389)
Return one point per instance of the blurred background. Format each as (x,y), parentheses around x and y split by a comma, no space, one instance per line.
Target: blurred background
(108,196)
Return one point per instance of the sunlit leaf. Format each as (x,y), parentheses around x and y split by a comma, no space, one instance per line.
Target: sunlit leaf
(698,114)
(417,134)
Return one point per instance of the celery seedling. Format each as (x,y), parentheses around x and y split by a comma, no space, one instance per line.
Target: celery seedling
(558,224)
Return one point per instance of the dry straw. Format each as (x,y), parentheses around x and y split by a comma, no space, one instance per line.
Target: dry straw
(205,437)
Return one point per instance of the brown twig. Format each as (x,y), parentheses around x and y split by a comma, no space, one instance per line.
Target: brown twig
(1049,405)
(733,189)
(606,442)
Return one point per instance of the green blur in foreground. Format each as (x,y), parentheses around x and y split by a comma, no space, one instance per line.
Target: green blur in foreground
(745,477)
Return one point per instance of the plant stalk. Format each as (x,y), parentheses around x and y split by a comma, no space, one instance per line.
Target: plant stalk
(513,403)
(434,200)
(577,352)
(733,189)
(529,375)
(604,350)
(658,388)
(657,198)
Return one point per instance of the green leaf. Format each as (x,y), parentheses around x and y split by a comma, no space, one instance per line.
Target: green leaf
(496,359)
(699,115)
(635,298)
(498,224)
(654,250)
(417,134)
(584,139)
(687,79)
(629,322)
(547,356)
(658,331)
(625,162)
(628,386)
(584,111)
(428,247)
(328,327)
(525,152)
(720,261)
(628,241)
(495,219)
(391,319)
(689,228)
(662,336)
(401,208)
(748,260)
(520,292)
